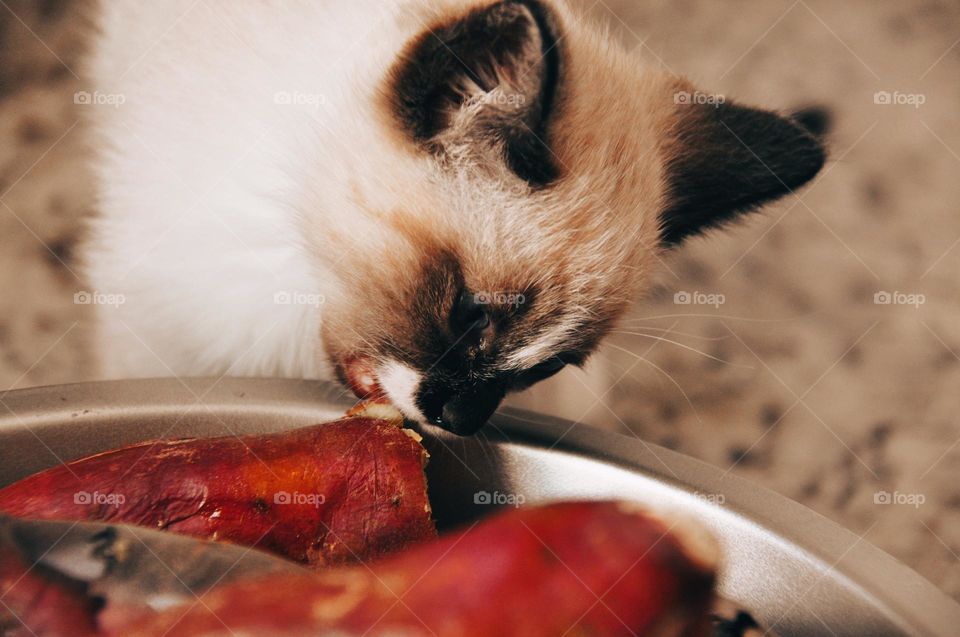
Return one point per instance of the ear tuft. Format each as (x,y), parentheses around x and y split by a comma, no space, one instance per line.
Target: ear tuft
(726,160)
(486,78)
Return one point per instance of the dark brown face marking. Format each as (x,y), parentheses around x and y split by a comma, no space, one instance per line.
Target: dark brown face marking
(425,307)
(725,160)
(455,332)
(509,44)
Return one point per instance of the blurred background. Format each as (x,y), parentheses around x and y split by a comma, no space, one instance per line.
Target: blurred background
(814,349)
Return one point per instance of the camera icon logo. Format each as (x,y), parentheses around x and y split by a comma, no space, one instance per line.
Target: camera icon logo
(883,97)
(882,298)
(281,497)
(482,497)
(683,298)
(882,497)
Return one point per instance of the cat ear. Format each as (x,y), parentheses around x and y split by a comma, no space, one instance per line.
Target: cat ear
(727,159)
(487,77)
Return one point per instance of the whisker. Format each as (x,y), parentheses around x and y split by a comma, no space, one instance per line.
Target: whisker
(481,438)
(682,345)
(519,418)
(748,319)
(686,334)
(609,360)
(665,373)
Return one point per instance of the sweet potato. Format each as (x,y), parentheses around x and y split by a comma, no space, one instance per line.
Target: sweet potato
(63,578)
(35,601)
(345,491)
(565,569)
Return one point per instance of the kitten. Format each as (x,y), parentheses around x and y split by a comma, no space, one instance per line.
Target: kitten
(446,199)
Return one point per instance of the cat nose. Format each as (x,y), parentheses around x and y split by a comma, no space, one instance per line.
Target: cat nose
(465,412)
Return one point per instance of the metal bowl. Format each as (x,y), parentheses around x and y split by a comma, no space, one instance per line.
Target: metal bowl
(794,570)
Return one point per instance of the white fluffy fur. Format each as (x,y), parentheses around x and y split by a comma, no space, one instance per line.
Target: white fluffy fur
(401,384)
(202,175)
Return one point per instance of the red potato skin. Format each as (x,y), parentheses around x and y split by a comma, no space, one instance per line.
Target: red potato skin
(37,602)
(368,472)
(573,569)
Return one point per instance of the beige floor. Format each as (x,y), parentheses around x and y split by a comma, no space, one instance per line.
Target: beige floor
(819,392)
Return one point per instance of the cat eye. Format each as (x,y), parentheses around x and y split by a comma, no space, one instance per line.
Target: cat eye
(547,368)
(542,370)
(469,313)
